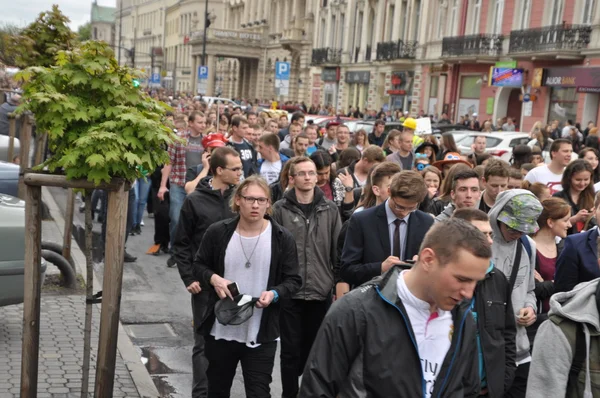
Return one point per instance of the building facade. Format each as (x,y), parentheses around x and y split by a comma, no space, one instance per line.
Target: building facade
(103,23)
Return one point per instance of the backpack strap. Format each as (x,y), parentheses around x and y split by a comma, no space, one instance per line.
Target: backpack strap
(578,357)
(515,268)
(525,241)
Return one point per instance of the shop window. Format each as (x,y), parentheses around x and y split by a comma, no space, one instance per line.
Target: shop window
(563,104)
(470,87)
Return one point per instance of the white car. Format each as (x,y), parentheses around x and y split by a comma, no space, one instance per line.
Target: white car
(499,144)
(225,101)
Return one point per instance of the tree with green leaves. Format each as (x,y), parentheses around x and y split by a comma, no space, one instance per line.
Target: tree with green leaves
(99,126)
(84,32)
(8,53)
(38,43)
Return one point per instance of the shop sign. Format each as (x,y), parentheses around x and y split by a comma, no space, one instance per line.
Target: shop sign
(489,105)
(594,90)
(583,77)
(401,82)
(358,77)
(330,75)
(396,92)
(506,77)
(506,64)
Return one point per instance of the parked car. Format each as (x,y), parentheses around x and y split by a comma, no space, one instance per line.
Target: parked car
(225,101)
(12,250)
(4,139)
(9,178)
(498,144)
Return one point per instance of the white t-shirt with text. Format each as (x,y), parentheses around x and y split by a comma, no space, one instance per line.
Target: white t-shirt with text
(270,171)
(543,175)
(433,332)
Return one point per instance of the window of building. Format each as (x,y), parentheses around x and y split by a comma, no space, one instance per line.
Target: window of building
(453,18)
(333,34)
(416,20)
(523,22)
(340,43)
(556,9)
(441,19)
(389,23)
(563,103)
(498,12)
(475,16)
(405,20)
(588,12)
(358,30)
(322,29)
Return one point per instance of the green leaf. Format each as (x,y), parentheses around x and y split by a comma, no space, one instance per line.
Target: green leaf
(95,159)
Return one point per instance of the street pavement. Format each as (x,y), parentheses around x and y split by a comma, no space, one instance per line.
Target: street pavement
(156,314)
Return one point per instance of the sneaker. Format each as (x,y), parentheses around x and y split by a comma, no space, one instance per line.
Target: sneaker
(142,223)
(171,262)
(82,208)
(137,229)
(128,258)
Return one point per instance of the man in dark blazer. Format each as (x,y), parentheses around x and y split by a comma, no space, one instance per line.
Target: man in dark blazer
(383,236)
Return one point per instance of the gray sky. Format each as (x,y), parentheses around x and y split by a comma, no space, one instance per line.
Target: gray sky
(27,11)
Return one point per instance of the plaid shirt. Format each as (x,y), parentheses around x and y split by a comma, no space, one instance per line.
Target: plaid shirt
(177,160)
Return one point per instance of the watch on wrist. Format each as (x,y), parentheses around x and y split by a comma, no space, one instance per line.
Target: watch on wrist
(349,189)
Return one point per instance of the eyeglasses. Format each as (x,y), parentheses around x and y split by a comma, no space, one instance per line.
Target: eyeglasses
(250,200)
(234,169)
(304,174)
(403,208)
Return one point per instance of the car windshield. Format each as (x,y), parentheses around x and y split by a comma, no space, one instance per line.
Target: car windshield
(468,140)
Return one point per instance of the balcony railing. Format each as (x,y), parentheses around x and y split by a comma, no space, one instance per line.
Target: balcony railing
(368,53)
(550,38)
(473,45)
(326,55)
(396,50)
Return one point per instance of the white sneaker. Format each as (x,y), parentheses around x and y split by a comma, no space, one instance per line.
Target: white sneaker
(142,223)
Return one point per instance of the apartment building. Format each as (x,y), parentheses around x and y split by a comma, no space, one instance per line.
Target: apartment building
(549,48)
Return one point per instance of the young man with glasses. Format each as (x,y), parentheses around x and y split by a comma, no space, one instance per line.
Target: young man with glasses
(513,217)
(383,236)
(208,204)
(315,223)
(256,253)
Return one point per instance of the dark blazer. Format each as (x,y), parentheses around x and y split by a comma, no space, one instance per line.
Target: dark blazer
(578,261)
(367,243)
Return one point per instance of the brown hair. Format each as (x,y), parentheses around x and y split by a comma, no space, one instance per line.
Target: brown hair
(408,185)
(252,180)
(470,214)
(390,137)
(537,188)
(271,140)
(193,116)
(376,175)
(296,161)
(496,169)
(515,174)
(361,133)
(434,170)
(447,237)
(446,185)
(553,209)
(373,154)
(586,198)
(218,158)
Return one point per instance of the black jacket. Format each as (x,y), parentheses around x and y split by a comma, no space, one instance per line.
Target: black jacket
(283,274)
(367,242)
(200,209)
(497,331)
(366,348)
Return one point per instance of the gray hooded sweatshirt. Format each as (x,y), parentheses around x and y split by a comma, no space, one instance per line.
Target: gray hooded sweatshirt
(553,354)
(503,256)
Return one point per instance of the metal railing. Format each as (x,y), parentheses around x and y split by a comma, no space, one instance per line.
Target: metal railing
(326,55)
(483,44)
(399,49)
(550,38)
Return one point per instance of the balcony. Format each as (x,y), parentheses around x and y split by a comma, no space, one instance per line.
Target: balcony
(326,55)
(390,50)
(550,39)
(368,53)
(473,46)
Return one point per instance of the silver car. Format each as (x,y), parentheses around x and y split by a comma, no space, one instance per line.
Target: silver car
(498,144)
(12,250)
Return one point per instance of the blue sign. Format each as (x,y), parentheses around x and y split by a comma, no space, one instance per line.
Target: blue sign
(155,78)
(526,98)
(203,72)
(282,70)
(506,77)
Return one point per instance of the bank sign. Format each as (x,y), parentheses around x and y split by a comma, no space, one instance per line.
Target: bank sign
(584,78)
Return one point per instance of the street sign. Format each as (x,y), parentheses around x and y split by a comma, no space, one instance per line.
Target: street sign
(155,78)
(526,97)
(282,78)
(202,79)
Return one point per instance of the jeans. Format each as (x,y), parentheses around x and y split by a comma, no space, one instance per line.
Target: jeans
(161,218)
(199,363)
(519,385)
(176,197)
(99,195)
(299,321)
(257,367)
(141,188)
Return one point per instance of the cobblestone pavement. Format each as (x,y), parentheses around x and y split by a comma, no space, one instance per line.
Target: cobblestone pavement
(61,350)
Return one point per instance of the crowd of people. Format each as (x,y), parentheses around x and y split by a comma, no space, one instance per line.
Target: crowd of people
(384,263)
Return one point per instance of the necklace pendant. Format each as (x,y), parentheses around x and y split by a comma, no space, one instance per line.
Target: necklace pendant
(248,264)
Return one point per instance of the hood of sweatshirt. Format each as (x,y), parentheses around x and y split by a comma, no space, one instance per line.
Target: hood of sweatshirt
(579,305)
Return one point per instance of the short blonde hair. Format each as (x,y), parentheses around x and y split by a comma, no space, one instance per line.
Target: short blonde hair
(252,180)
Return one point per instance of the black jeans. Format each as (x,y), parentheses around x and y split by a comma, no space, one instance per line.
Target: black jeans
(161,218)
(199,367)
(299,321)
(257,367)
(519,385)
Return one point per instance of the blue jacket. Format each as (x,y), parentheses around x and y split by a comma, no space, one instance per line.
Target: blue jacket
(578,262)
(283,157)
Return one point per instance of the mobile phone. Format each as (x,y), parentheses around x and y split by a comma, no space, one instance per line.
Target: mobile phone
(409,262)
(234,289)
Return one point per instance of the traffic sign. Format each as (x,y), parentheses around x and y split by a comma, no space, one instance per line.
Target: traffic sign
(526,98)
(155,78)
(282,78)
(203,72)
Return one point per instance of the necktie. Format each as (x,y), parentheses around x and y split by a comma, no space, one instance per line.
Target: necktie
(396,250)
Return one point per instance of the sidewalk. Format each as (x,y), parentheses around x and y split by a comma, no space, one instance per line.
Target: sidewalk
(61,338)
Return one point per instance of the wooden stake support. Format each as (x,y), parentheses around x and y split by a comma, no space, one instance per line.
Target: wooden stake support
(12,131)
(68,232)
(112,283)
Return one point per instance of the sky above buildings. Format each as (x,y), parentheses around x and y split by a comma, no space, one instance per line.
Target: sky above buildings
(26,12)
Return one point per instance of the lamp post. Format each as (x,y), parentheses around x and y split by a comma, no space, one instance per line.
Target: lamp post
(206,24)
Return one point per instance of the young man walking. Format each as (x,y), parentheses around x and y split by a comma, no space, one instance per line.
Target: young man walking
(315,223)
(239,142)
(409,332)
(465,193)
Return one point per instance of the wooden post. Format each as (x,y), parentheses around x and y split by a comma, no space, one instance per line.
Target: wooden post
(33,287)
(12,131)
(25,144)
(89,295)
(68,232)
(111,292)
(40,148)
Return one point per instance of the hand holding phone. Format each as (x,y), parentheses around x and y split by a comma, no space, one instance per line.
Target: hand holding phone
(234,289)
